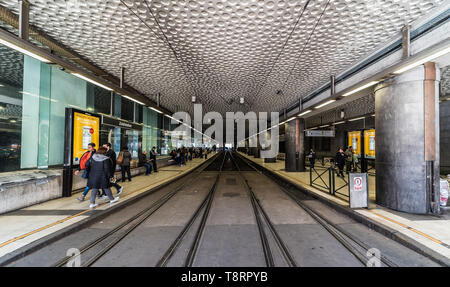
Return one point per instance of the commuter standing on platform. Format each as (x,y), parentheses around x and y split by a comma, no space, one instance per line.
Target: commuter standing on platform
(112,155)
(82,166)
(153,155)
(99,175)
(340,161)
(312,157)
(124,161)
(349,160)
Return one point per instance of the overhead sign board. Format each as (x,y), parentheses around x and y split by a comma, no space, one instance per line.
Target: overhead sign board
(320,133)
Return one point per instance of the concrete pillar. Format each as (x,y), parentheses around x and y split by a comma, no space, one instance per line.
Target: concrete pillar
(407,140)
(295,145)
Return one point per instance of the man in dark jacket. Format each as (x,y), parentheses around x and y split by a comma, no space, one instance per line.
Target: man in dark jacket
(144,162)
(112,155)
(340,161)
(125,165)
(153,154)
(99,175)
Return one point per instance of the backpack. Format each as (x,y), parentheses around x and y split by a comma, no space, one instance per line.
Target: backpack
(84,158)
(120,158)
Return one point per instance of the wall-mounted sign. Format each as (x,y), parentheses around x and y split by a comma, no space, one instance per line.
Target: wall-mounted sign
(320,133)
(358,190)
(369,144)
(354,140)
(120,123)
(86,129)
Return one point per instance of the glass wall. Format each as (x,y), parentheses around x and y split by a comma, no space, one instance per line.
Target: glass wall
(11,87)
(33,99)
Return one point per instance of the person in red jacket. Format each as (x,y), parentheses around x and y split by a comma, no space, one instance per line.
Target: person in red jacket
(83,160)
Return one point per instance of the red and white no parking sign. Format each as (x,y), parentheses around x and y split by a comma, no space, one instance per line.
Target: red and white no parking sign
(357,183)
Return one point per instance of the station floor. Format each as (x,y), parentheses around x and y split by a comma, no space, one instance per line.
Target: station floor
(430,231)
(26,225)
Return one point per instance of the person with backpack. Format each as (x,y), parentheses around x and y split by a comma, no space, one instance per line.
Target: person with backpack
(99,174)
(124,161)
(82,166)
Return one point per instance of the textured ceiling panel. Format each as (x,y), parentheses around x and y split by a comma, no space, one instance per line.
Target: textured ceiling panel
(220,50)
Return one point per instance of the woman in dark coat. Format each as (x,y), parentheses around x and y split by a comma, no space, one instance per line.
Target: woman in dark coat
(99,170)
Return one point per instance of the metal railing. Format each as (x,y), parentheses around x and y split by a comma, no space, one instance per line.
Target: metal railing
(326,180)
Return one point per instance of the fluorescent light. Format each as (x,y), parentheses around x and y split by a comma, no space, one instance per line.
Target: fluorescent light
(423,60)
(22,50)
(324,126)
(158,111)
(326,103)
(338,123)
(360,88)
(91,81)
(293,118)
(133,100)
(313,128)
(304,113)
(356,119)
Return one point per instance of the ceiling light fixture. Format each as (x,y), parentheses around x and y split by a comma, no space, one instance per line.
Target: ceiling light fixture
(356,119)
(338,123)
(360,88)
(133,100)
(423,60)
(156,110)
(91,81)
(326,103)
(24,51)
(304,113)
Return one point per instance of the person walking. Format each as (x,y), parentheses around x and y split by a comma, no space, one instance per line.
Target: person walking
(349,160)
(124,162)
(205,152)
(340,161)
(312,157)
(82,166)
(153,155)
(112,155)
(99,175)
(144,162)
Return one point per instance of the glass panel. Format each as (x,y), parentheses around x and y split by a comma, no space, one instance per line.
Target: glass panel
(102,100)
(127,109)
(11,87)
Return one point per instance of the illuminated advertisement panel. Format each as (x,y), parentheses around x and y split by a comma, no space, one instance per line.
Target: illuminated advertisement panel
(354,140)
(369,143)
(86,129)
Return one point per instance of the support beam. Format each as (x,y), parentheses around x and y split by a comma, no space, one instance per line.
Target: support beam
(406,42)
(122,77)
(295,145)
(24,19)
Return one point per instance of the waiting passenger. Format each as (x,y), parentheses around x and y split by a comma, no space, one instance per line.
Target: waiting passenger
(349,160)
(99,175)
(153,155)
(144,162)
(312,158)
(124,161)
(340,161)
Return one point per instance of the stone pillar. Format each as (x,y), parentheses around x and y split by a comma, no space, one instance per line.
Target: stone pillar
(407,140)
(295,145)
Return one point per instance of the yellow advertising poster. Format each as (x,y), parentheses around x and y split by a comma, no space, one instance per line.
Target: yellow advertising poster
(86,129)
(354,140)
(369,143)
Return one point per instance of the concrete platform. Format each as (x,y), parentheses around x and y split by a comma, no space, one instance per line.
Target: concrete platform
(430,233)
(22,227)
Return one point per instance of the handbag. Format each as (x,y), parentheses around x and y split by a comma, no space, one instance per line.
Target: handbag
(120,158)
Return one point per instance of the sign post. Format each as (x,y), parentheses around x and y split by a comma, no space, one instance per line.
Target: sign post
(82,128)
(358,190)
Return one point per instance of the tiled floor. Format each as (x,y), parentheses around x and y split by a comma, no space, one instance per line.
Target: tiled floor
(431,231)
(26,225)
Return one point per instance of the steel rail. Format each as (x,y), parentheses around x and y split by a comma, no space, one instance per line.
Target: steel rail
(198,235)
(336,231)
(163,199)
